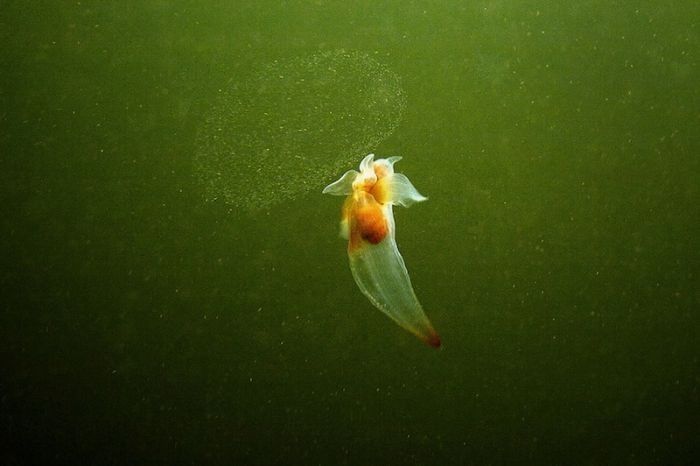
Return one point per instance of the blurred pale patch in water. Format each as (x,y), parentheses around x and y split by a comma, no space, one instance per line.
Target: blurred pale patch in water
(293,124)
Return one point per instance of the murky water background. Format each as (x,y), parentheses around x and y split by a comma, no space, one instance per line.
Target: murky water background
(557,255)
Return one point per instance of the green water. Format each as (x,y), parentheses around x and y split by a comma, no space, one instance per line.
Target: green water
(559,145)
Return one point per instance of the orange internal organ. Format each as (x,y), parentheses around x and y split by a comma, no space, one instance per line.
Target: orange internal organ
(371,223)
(368,220)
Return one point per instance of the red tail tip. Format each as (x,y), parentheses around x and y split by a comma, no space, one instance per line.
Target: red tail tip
(434,340)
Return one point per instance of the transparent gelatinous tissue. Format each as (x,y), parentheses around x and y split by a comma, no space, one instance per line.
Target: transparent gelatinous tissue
(290,125)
